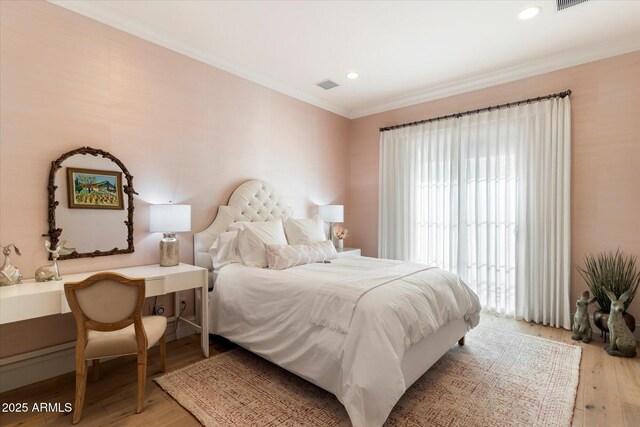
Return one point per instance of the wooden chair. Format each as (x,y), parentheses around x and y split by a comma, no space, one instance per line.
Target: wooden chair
(108,312)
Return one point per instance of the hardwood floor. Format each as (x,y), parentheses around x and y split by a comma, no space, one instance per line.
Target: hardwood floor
(112,400)
(608,393)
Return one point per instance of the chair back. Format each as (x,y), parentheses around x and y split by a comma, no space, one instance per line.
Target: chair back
(106,301)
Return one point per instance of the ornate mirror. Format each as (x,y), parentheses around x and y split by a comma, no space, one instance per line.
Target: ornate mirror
(90,204)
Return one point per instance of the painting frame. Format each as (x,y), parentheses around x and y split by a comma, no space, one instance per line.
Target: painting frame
(106,176)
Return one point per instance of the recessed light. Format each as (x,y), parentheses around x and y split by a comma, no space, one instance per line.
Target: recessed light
(529,12)
(352,75)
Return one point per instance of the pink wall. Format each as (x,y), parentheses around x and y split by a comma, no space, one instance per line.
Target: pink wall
(191,133)
(187,132)
(605,165)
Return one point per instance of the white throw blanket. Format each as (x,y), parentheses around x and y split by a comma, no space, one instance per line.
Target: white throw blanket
(336,301)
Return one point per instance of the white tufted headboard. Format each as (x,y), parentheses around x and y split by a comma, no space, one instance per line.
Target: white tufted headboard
(254,200)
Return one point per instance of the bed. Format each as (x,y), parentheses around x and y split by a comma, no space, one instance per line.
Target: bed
(366,350)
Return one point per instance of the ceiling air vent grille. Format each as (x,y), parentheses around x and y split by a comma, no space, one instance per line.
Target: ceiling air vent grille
(327,84)
(564,4)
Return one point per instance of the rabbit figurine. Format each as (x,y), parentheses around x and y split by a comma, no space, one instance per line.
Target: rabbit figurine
(621,340)
(50,272)
(9,274)
(581,324)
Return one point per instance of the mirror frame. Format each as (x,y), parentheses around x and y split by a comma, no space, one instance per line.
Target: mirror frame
(54,233)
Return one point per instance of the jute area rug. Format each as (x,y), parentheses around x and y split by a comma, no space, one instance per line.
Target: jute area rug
(498,378)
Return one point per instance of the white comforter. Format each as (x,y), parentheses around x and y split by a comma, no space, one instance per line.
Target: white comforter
(358,359)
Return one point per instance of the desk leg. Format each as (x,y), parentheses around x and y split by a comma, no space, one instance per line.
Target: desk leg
(204,320)
(176,311)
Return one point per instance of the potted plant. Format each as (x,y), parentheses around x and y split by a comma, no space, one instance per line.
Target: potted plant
(615,272)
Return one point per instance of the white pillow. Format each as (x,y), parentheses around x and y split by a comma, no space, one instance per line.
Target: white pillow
(253,238)
(301,231)
(237,226)
(280,257)
(224,250)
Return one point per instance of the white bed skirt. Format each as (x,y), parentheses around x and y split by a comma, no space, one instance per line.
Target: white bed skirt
(422,355)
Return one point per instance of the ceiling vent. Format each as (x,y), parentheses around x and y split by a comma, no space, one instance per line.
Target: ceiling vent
(565,4)
(327,84)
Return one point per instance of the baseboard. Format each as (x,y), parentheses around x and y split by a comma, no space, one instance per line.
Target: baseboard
(28,368)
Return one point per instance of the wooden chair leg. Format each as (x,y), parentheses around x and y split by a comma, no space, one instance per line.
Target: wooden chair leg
(81,386)
(142,378)
(163,352)
(95,370)
(461,341)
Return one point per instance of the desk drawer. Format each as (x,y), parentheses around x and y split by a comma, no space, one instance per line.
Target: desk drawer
(186,280)
(155,286)
(23,307)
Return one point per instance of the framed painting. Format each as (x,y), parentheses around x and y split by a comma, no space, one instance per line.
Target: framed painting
(94,189)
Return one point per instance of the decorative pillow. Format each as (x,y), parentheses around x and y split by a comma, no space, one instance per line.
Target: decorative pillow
(284,256)
(253,238)
(225,250)
(237,226)
(304,230)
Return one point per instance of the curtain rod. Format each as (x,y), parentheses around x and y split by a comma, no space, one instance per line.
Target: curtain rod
(466,113)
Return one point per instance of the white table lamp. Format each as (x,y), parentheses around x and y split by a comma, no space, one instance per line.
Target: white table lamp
(169,220)
(331,214)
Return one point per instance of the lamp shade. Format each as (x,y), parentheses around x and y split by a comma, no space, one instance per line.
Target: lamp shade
(169,218)
(331,213)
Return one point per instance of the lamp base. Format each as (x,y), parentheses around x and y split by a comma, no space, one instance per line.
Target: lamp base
(331,236)
(169,250)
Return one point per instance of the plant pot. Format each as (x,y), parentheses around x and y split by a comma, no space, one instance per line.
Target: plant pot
(601,319)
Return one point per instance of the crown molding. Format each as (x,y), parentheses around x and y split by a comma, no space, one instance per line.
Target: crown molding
(548,64)
(93,11)
(530,69)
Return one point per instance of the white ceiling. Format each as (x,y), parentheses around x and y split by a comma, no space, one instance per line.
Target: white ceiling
(405,52)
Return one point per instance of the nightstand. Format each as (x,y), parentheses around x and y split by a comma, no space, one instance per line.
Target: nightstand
(346,252)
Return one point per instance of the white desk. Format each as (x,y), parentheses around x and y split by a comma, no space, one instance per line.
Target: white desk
(32,299)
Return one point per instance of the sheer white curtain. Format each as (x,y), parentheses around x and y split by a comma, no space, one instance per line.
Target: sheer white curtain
(486,196)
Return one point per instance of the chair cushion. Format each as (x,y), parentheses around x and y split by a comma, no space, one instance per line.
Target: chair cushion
(123,341)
